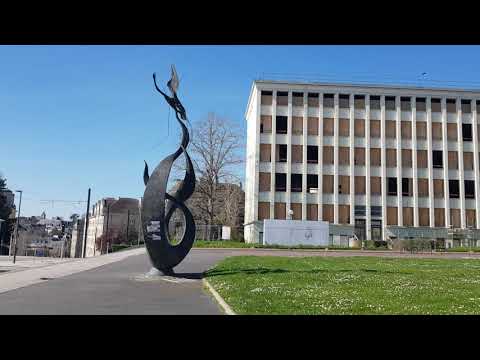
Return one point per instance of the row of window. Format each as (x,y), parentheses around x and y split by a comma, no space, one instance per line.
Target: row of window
(406,103)
(360,185)
(359,128)
(360,156)
(279,212)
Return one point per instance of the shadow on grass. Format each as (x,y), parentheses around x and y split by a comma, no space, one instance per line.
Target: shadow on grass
(263,271)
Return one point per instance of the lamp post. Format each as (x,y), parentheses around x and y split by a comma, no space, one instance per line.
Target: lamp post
(16,226)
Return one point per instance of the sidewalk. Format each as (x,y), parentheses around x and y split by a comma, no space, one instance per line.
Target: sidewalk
(29,270)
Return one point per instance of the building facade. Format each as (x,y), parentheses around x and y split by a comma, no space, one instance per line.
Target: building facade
(112,221)
(372,157)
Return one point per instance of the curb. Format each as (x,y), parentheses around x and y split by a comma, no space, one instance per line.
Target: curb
(225,307)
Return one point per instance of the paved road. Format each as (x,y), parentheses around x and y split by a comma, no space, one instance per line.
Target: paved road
(114,289)
(119,288)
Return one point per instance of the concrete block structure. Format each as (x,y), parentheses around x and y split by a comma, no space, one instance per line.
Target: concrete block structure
(375,157)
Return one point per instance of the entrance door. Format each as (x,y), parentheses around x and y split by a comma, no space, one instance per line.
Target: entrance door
(360,229)
(376,230)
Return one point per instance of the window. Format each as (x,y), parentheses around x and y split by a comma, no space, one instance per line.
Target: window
(297,154)
(452,160)
(455,218)
(281,153)
(438,188)
(280,182)
(296,211)
(359,185)
(263,210)
(392,216)
(375,128)
(375,157)
(421,104)
(439,214)
(265,152)
(266,124)
(343,127)
(343,155)
(436,105)
(327,213)
(407,216)
(390,129)
(281,124)
(437,159)
(312,99)
(453,188)
(264,181)
(359,127)
(282,98)
(451,107)
(312,212)
(375,102)
(407,186)
(406,158)
(375,210)
(360,210)
(343,184)
(467,132)
(391,157)
(392,186)
(390,103)
(359,101)
(327,184)
(422,159)
(466,106)
(421,130)
(297,125)
(297,99)
(312,184)
(470,217)
(344,101)
(375,185)
(406,129)
(359,158)
(452,131)
(312,154)
(468,161)
(280,211)
(328,100)
(436,131)
(405,103)
(424,216)
(312,125)
(328,155)
(296,182)
(266,98)
(344,214)
(328,127)
(469,189)
(422,187)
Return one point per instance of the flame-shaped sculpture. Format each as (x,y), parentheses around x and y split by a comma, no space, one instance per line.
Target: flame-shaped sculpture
(158,206)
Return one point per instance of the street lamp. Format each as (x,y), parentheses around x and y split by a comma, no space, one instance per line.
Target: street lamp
(16,226)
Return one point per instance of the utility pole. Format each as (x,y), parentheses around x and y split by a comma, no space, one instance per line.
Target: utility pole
(86,225)
(16,226)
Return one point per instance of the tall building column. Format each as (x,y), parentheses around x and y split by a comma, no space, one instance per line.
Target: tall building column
(398,121)
(430,160)
(273,149)
(335,159)
(289,156)
(476,164)
(446,189)
(352,158)
(368,213)
(461,175)
(320,157)
(304,156)
(384,166)
(413,110)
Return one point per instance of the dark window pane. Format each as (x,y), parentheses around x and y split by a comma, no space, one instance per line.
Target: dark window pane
(437,159)
(280,182)
(453,188)
(392,186)
(312,154)
(312,183)
(469,189)
(296,180)
(282,124)
(467,132)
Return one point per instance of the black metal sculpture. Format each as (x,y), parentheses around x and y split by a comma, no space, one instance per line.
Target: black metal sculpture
(158,206)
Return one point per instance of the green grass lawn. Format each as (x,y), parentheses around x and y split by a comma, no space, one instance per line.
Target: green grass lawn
(238,244)
(348,285)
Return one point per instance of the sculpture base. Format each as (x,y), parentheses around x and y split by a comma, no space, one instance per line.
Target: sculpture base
(155,272)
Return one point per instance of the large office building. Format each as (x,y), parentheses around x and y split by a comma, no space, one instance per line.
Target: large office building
(383,159)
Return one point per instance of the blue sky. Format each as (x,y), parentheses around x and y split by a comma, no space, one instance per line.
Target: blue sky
(74,117)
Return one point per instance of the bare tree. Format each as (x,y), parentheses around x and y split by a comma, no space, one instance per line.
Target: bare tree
(215,152)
